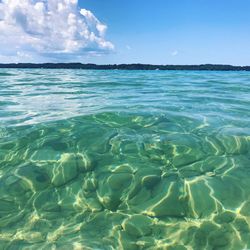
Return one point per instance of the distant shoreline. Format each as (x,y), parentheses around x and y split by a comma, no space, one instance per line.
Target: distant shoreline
(213,67)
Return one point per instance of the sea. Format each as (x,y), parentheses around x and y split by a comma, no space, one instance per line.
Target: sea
(125,160)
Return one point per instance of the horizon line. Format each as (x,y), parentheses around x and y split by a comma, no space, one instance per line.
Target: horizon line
(131,66)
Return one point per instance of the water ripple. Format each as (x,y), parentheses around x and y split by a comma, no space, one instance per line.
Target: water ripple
(124,160)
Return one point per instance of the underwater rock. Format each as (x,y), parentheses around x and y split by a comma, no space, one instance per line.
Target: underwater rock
(185,149)
(215,163)
(83,162)
(94,205)
(129,147)
(137,225)
(227,191)
(242,226)
(111,202)
(201,203)
(174,204)
(47,201)
(150,181)
(127,241)
(225,217)
(200,239)
(112,188)
(141,201)
(145,180)
(166,198)
(119,181)
(219,238)
(90,184)
(33,177)
(191,170)
(186,157)
(65,171)
(124,168)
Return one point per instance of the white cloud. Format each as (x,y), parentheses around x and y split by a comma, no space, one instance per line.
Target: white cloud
(174,53)
(128,47)
(49,28)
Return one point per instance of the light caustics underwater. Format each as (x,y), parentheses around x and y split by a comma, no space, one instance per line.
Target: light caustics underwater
(124,160)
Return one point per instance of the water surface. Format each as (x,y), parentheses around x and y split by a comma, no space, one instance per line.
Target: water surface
(124,159)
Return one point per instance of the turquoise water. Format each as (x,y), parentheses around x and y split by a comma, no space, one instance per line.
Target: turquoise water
(124,159)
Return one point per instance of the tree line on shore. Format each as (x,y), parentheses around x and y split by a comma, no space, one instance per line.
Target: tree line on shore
(214,67)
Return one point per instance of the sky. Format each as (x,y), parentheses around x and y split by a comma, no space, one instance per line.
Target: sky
(128,31)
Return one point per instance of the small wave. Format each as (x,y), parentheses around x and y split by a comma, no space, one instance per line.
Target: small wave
(6,74)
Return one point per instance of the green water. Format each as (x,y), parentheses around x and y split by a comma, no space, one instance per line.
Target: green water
(124,160)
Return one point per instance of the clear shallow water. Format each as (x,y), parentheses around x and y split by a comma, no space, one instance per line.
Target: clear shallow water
(124,159)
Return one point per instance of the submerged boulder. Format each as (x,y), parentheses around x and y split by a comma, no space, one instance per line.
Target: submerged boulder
(64,171)
(33,177)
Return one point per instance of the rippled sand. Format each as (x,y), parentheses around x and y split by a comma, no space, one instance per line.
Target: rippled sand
(149,175)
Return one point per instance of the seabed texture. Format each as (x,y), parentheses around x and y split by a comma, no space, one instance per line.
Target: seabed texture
(162,166)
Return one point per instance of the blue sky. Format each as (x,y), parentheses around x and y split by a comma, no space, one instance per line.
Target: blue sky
(176,32)
(135,31)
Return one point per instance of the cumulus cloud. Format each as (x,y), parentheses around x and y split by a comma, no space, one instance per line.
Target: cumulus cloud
(49,28)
